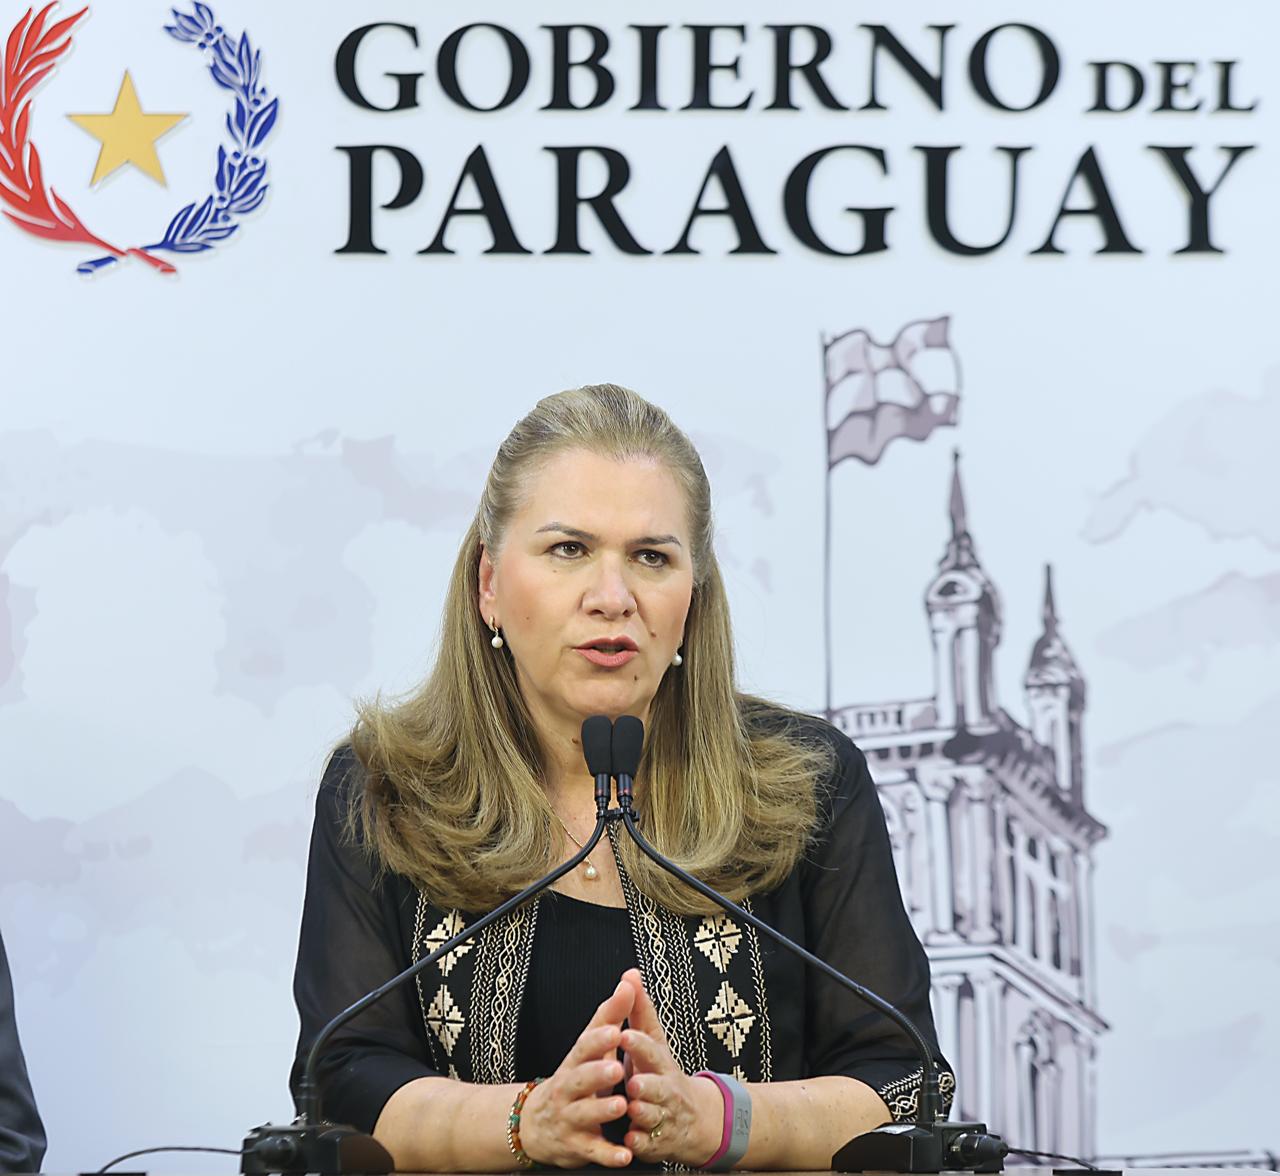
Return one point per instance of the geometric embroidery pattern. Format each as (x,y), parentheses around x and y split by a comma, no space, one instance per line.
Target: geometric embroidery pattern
(902,1096)
(445,930)
(445,1018)
(419,921)
(730,1019)
(718,937)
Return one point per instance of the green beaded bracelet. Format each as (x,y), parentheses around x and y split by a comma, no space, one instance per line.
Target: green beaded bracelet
(513,1125)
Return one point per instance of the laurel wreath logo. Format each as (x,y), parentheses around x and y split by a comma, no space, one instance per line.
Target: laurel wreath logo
(32,53)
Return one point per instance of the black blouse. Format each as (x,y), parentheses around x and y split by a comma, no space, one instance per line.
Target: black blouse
(501,1009)
(579,952)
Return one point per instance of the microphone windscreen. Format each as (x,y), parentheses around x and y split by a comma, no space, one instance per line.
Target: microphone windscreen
(628,742)
(597,745)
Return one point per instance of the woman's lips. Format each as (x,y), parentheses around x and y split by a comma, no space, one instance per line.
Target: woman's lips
(610,660)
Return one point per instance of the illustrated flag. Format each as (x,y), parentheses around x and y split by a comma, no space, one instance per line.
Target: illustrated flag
(876,392)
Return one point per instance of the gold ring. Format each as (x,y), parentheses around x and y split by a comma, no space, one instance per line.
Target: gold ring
(655,1132)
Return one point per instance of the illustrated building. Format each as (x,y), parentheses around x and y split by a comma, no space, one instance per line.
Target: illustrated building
(994,850)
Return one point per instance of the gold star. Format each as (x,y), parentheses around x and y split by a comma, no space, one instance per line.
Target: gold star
(127,135)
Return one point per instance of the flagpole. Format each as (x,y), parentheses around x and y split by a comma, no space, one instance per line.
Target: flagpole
(878,423)
(826,526)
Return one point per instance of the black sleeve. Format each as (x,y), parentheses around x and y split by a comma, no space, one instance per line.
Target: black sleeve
(21,1132)
(353,939)
(856,921)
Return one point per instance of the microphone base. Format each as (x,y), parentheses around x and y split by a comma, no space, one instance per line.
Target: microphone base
(328,1148)
(909,1147)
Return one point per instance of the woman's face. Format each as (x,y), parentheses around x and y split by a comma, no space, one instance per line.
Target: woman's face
(592,586)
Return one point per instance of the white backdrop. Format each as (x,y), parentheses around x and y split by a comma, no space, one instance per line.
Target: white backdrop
(229,498)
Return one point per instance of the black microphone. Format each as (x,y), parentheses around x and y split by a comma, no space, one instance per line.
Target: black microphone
(597,749)
(628,743)
(931,1143)
(309,1144)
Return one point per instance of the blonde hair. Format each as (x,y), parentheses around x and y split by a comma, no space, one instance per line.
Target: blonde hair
(453,797)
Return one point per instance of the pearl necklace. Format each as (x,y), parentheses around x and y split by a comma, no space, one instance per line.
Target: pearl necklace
(589,871)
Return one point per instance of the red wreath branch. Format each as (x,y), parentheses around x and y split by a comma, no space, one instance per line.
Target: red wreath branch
(31,54)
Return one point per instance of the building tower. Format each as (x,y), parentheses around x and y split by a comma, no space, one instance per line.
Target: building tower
(1055,698)
(964,617)
(994,852)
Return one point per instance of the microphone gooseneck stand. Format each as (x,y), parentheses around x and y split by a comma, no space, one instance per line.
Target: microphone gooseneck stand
(312,1145)
(309,1144)
(931,1143)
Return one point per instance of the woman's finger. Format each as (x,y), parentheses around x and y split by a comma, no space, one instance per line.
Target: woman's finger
(648,1146)
(594,1044)
(647,1054)
(646,1116)
(608,1155)
(579,1148)
(642,1087)
(588,1079)
(565,1132)
(589,1113)
(615,1008)
(643,1014)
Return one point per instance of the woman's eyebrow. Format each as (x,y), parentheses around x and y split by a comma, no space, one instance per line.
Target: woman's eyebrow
(588,537)
(656,541)
(565,529)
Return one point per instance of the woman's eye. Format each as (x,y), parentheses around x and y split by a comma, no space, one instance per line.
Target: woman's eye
(569,549)
(652,559)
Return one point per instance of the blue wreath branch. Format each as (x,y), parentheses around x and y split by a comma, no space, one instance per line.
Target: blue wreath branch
(240,178)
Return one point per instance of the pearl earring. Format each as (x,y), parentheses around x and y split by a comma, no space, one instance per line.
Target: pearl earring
(677,660)
(496,640)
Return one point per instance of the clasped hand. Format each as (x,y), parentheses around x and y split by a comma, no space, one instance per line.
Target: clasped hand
(673,1116)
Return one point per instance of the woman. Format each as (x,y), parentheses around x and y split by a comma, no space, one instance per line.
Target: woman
(620,1018)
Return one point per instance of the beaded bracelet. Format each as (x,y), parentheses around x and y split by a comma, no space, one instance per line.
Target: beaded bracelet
(513,1125)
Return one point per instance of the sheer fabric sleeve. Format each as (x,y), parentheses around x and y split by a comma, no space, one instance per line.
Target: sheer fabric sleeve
(353,939)
(856,921)
(22,1137)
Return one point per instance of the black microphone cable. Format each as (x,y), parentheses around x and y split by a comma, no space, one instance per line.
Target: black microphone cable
(1039,1155)
(148,1151)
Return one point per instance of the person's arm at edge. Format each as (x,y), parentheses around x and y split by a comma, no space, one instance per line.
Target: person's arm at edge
(22,1138)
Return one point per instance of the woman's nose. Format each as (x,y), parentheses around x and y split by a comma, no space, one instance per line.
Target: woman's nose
(610,593)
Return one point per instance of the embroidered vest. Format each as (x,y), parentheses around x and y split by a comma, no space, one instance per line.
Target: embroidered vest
(704,974)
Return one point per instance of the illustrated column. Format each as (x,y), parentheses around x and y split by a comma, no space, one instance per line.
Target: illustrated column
(978,792)
(1022,895)
(1084,903)
(937,788)
(946,1015)
(1003,856)
(987,1101)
